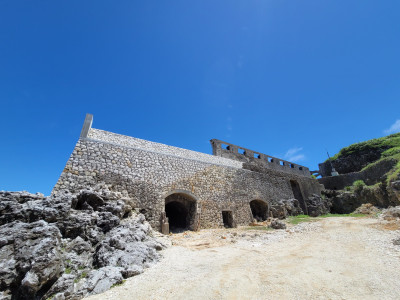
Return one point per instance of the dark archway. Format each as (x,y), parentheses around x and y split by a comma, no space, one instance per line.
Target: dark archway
(227,218)
(180,210)
(298,195)
(259,210)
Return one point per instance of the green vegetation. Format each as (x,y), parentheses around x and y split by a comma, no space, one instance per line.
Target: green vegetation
(83,275)
(68,270)
(386,144)
(391,152)
(354,215)
(299,219)
(118,284)
(304,218)
(358,185)
(395,172)
(258,228)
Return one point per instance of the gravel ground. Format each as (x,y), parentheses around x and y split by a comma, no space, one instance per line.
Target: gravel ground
(333,258)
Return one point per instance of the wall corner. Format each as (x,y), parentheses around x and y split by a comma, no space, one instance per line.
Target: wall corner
(87,124)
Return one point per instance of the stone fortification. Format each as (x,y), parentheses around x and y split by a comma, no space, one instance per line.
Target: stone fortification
(224,149)
(157,177)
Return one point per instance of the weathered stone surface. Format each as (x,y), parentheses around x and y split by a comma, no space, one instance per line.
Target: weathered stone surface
(92,243)
(18,206)
(31,259)
(367,209)
(128,246)
(285,208)
(318,206)
(276,224)
(147,173)
(391,213)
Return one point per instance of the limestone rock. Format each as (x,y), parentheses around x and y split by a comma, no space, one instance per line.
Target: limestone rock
(277,224)
(286,207)
(317,206)
(68,246)
(31,258)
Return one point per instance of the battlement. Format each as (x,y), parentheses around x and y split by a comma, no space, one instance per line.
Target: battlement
(228,150)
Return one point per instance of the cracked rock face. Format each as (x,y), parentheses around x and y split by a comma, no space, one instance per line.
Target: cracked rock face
(70,246)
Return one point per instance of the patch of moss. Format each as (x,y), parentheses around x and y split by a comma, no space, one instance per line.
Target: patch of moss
(83,275)
(68,270)
(118,284)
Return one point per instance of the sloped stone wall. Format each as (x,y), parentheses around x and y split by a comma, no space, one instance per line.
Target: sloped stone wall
(148,177)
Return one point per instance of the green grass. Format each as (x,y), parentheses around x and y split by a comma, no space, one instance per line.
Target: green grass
(304,218)
(395,172)
(299,219)
(390,145)
(68,270)
(266,228)
(342,215)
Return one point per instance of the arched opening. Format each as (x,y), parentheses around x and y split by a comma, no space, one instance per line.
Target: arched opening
(298,195)
(180,209)
(259,210)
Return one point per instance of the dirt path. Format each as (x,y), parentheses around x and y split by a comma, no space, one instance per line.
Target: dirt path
(335,258)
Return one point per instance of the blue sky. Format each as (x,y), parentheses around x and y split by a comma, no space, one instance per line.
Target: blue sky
(286,78)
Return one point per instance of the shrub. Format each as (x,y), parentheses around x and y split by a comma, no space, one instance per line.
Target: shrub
(358,185)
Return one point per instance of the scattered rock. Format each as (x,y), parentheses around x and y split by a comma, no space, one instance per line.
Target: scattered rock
(391,213)
(367,209)
(277,224)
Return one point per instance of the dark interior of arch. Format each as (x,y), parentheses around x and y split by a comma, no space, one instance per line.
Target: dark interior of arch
(177,215)
(180,211)
(259,209)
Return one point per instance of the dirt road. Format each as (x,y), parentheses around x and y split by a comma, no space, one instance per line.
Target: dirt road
(334,258)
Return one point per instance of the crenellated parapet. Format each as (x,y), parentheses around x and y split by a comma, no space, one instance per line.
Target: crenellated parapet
(228,150)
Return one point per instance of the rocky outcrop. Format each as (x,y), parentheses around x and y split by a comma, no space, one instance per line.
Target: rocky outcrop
(70,246)
(352,161)
(380,195)
(286,207)
(317,206)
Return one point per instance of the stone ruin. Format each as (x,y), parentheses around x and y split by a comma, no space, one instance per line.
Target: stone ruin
(180,189)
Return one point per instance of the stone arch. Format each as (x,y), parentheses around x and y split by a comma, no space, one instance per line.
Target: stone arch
(181,210)
(259,209)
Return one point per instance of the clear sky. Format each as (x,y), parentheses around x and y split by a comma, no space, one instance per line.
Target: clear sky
(286,78)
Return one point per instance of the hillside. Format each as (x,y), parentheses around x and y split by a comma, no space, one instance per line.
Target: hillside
(369,173)
(359,156)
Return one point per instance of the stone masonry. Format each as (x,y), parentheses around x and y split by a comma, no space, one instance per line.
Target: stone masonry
(192,188)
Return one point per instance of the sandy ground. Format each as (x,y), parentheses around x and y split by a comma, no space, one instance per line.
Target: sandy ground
(333,258)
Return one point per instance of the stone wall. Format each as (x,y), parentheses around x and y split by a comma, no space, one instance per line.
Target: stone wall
(373,174)
(227,150)
(149,172)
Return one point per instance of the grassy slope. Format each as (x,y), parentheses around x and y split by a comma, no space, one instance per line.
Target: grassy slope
(390,146)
